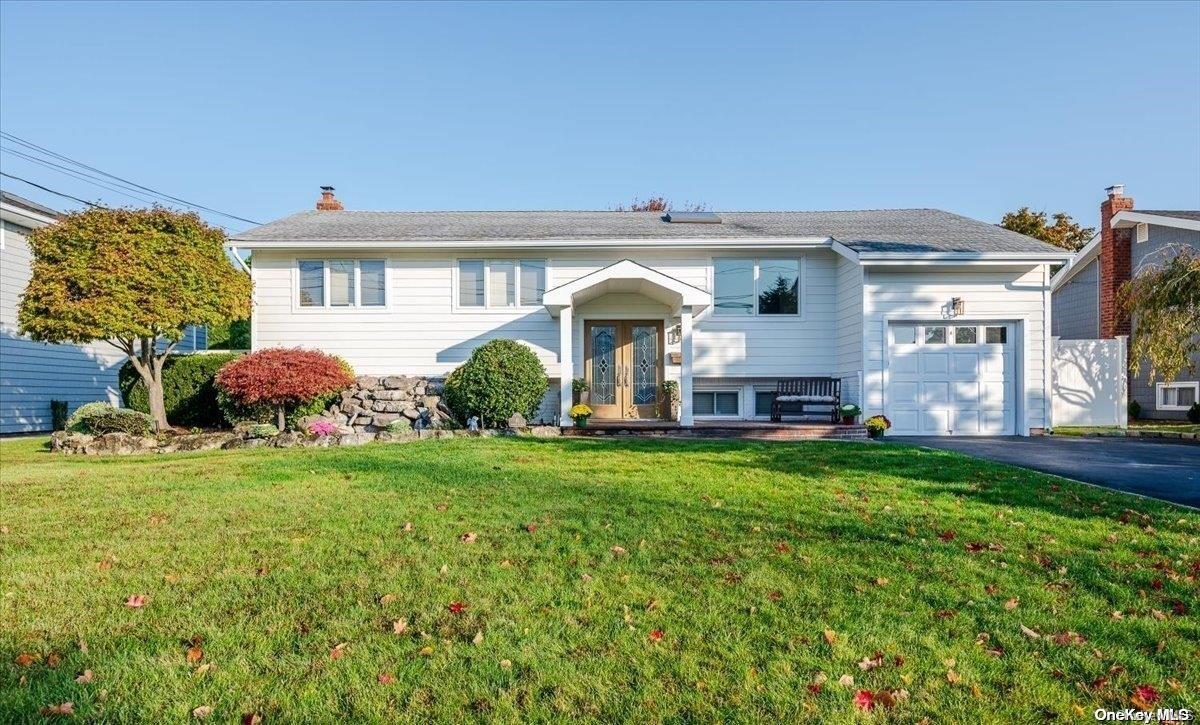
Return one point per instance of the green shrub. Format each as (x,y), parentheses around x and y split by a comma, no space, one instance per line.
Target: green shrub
(400,425)
(234,413)
(1135,410)
(263,430)
(1194,413)
(189,393)
(99,417)
(230,335)
(501,377)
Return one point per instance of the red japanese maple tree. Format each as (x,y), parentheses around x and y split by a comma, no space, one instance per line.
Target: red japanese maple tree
(281,377)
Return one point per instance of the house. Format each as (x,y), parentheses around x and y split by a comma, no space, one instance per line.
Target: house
(1085,291)
(34,373)
(939,321)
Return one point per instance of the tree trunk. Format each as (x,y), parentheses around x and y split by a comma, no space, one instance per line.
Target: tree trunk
(158,410)
(281,418)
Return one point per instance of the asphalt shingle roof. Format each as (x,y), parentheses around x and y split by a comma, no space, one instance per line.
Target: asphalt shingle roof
(891,230)
(1177,213)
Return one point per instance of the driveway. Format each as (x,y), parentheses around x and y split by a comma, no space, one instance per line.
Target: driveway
(1167,471)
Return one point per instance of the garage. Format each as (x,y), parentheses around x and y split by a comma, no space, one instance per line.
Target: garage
(951,378)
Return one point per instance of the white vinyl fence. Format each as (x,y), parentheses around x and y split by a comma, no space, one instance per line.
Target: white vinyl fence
(1090,385)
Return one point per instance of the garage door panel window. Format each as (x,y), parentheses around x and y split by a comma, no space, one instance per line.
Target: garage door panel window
(996,335)
(935,335)
(1177,396)
(904,334)
(965,336)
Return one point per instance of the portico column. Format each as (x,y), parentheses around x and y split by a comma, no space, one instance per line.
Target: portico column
(566,368)
(685,367)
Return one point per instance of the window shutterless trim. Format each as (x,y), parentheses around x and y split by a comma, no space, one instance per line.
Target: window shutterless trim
(487,307)
(756,273)
(325,305)
(1160,388)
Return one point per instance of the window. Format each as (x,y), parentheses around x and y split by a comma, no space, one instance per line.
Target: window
(1177,396)
(756,286)
(904,334)
(470,283)
(501,283)
(533,281)
(996,335)
(779,287)
(342,283)
(372,279)
(312,284)
(965,336)
(715,402)
(762,402)
(935,335)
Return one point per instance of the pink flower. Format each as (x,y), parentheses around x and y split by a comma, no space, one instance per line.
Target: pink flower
(321,428)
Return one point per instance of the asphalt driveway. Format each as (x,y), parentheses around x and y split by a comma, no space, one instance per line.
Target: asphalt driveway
(1167,471)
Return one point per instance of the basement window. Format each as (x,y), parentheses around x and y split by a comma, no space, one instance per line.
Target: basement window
(1176,396)
(715,402)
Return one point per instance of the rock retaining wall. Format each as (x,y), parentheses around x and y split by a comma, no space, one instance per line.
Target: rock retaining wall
(374,402)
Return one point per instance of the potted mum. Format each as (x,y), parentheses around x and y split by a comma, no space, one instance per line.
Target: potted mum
(876,425)
(580,413)
(849,412)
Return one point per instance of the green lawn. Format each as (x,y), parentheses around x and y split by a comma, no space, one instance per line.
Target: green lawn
(1155,426)
(749,580)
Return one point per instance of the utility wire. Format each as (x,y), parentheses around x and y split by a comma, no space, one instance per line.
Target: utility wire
(52,191)
(95,181)
(42,149)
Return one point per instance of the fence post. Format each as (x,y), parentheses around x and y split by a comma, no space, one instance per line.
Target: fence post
(1123,372)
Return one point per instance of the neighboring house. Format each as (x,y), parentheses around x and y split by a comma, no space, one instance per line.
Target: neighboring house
(34,373)
(940,321)
(1085,291)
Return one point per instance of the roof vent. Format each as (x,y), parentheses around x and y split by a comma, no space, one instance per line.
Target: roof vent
(691,217)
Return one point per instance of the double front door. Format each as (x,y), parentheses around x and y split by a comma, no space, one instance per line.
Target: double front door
(623,367)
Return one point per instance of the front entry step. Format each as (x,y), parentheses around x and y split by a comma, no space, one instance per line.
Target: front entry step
(744,430)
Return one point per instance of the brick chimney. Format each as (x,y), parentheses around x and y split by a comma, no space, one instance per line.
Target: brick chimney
(328,202)
(1114,262)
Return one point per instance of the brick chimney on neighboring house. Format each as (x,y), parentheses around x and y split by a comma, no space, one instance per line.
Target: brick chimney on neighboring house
(328,202)
(1114,262)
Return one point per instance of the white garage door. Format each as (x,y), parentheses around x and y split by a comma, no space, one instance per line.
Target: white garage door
(951,379)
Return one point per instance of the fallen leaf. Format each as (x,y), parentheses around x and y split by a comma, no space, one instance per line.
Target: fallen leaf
(846,681)
(885,698)
(1029,632)
(83,645)
(338,652)
(456,607)
(468,538)
(204,669)
(864,700)
(947,535)
(830,637)
(136,600)
(990,589)
(506,664)
(882,581)
(84,677)
(1144,696)
(1011,604)
(531,528)
(252,718)
(775,596)
(1157,614)
(399,626)
(195,654)
(202,712)
(426,651)
(953,677)
(656,635)
(386,679)
(387,599)
(64,708)
(104,564)
(617,551)
(478,638)
(444,570)
(25,659)
(869,663)
(408,526)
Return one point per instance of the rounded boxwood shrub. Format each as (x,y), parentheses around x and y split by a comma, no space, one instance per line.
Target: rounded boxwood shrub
(98,417)
(281,380)
(501,377)
(189,389)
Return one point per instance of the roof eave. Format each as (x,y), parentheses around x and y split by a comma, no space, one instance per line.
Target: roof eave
(1126,219)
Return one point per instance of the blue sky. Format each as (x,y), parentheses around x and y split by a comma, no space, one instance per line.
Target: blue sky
(976,109)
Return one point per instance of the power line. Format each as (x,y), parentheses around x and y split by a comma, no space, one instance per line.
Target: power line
(42,149)
(95,181)
(51,191)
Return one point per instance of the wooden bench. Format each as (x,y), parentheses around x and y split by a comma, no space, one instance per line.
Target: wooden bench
(802,395)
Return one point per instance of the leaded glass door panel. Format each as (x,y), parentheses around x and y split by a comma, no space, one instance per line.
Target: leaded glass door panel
(623,367)
(601,368)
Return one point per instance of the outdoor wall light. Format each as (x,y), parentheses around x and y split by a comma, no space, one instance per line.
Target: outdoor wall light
(957,307)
